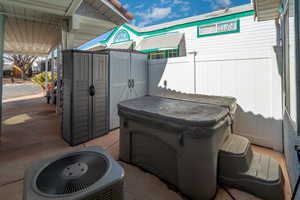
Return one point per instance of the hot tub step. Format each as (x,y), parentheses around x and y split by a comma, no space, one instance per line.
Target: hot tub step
(235,155)
(263,178)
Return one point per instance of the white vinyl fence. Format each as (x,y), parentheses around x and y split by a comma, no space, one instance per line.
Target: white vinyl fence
(254,82)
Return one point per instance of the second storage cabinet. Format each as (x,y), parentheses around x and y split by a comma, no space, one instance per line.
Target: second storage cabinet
(93,85)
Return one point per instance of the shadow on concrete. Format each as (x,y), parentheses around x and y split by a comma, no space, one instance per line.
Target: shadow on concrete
(28,122)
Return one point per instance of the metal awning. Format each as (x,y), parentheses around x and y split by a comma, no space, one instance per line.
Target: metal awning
(160,42)
(121,45)
(267,9)
(35,26)
(97,47)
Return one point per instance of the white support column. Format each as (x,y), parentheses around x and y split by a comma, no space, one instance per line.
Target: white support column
(52,66)
(2,33)
(46,74)
(59,72)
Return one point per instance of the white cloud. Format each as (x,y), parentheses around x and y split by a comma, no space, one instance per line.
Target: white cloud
(185,8)
(224,2)
(178,2)
(133,22)
(174,15)
(153,14)
(126,6)
(139,6)
(165,1)
(181,2)
(219,4)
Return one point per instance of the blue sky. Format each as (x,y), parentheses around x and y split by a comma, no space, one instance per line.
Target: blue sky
(151,12)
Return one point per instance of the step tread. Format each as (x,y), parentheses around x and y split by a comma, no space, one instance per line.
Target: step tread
(264,168)
(235,144)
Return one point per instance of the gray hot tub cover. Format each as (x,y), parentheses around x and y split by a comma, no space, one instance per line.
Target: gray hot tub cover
(185,113)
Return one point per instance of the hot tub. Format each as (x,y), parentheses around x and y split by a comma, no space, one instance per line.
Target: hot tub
(177,140)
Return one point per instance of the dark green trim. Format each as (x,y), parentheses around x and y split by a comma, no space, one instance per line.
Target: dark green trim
(149,50)
(180,26)
(157,49)
(221,33)
(197,23)
(166,53)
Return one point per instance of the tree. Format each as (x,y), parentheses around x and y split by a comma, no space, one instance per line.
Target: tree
(22,62)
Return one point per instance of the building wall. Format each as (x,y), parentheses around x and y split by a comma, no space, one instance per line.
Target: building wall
(242,65)
(291,134)
(291,139)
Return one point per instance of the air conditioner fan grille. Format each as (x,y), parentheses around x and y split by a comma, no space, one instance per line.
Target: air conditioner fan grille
(72,174)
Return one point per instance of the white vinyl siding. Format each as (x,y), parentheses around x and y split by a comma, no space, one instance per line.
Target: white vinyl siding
(255,40)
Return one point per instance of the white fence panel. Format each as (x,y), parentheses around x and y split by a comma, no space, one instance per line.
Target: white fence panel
(175,73)
(254,82)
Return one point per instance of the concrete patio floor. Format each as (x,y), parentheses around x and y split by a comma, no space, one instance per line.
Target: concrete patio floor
(30,133)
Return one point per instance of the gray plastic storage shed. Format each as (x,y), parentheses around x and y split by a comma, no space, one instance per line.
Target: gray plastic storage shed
(176,140)
(85,96)
(93,85)
(128,80)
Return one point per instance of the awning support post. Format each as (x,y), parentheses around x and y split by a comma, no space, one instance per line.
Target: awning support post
(2,33)
(58,71)
(46,75)
(52,66)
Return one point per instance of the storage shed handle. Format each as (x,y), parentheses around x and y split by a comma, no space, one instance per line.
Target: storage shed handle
(129,83)
(181,139)
(92,90)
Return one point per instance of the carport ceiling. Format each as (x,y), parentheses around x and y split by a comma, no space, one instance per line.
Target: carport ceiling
(34,26)
(266,9)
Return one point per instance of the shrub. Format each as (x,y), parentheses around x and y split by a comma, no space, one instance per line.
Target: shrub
(39,79)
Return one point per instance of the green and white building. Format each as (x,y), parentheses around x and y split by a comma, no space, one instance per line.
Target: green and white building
(178,38)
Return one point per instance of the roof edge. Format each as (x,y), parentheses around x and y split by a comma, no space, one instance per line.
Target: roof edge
(195,20)
(117,4)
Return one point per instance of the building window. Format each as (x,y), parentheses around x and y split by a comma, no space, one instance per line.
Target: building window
(172,53)
(157,55)
(205,30)
(219,28)
(122,36)
(164,54)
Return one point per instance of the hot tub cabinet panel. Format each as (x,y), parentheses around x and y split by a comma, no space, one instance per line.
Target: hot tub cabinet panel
(175,140)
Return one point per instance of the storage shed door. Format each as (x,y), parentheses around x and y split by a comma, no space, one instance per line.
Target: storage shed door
(67,95)
(139,75)
(100,100)
(119,91)
(82,102)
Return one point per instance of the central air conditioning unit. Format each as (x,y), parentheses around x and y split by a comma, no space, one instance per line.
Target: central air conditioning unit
(86,174)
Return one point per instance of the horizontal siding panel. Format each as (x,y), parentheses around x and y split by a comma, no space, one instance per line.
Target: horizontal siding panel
(256,39)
